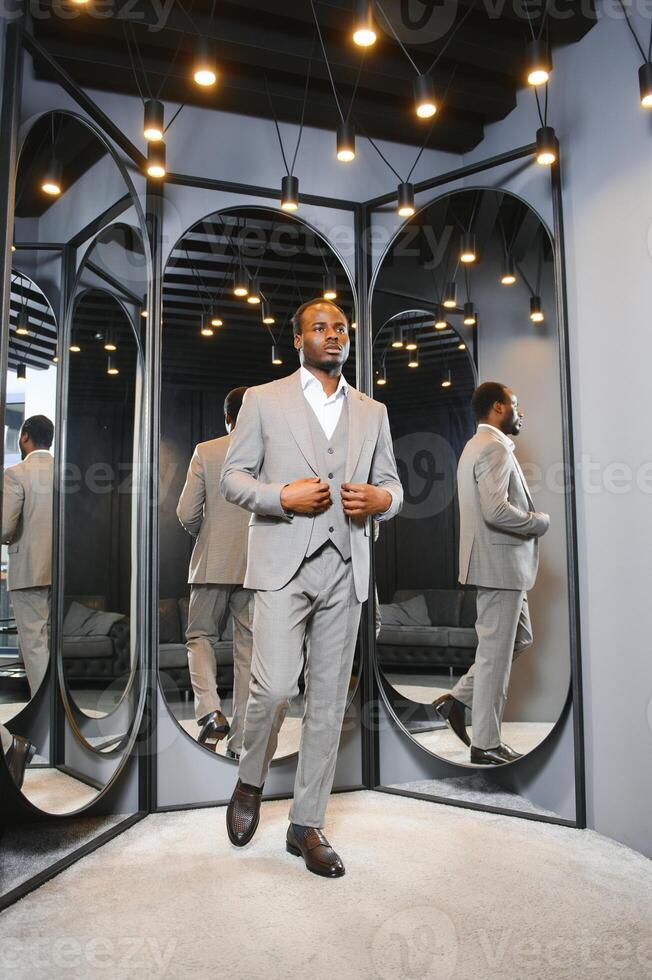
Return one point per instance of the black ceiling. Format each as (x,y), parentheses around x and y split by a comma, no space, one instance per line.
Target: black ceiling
(256,39)
(30,309)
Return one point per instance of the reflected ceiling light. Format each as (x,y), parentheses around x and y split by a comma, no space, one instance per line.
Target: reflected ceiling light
(206,329)
(645,84)
(52,182)
(74,346)
(354,325)
(414,359)
(290,193)
(468,252)
(440,322)
(508,278)
(469,315)
(55,356)
(205,70)
(13,248)
(330,286)
(156,160)
(217,321)
(254,292)
(143,308)
(424,97)
(536,310)
(109,342)
(397,339)
(364,29)
(346,141)
(448,380)
(22,329)
(111,367)
(21,371)
(276,355)
(241,282)
(411,342)
(405,196)
(382,376)
(547,146)
(450,295)
(461,345)
(539,63)
(266,313)
(153,126)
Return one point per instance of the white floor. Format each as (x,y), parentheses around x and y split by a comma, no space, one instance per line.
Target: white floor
(430,892)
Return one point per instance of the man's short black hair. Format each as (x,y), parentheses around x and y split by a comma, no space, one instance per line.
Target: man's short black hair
(296,319)
(39,430)
(485,397)
(233,402)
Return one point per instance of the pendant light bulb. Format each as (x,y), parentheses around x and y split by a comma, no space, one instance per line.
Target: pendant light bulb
(405,195)
(52,182)
(241,283)
(440,321)
(469,315)
(111,367)
(109,343)
(424,97)
(217,321)
(74,346)
(397,338)
(276,355)
(461,345)
(153,127)
(143,307)
(645,84)
(205,70)
(508,277)
(156,160)
(290,193)
(547,146)
(266,313)
(539,63)
(364,29)
(22,328)
(468,252)
(382,376)
(254,292)
(448,380)
(206,329)
(450,295)
(346,142)
(414,359)
(330,286)
(536,310)
(411,342)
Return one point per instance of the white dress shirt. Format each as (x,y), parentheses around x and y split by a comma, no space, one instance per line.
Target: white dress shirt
(327,408)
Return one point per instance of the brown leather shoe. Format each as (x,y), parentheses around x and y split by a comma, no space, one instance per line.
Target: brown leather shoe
(19,755)
(497,756)
(452,712)
(243,813)
(215,727)
(315,850)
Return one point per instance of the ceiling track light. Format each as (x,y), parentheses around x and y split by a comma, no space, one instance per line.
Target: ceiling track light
(330,286)
(547,146)
(447,380)
(254,292)
(536,310)
(346,141)
(645,84)
(405,196)
(266,313)
(469,315)
(411,342)
(276,355)
(290,193)
(450,296)
(205,70)
(397,338)
(241,282)
(424,97)
(21,371)
(414,359)
(468,252)
(156,168)
(111,367)
(539,63)
(153,125)
(364,28)
(508,277)
(52,183)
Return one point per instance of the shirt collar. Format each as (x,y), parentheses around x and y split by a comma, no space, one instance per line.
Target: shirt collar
(35,451)
(307,377)
(506,441)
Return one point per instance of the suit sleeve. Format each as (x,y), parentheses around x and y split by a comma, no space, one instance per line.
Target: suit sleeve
(190,509)
(13,498)
(493,469)
(240,483)
(383,470)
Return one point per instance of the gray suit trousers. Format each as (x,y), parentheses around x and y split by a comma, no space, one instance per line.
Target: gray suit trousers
(504,632)
(318,606)
(208,612)
(32,613)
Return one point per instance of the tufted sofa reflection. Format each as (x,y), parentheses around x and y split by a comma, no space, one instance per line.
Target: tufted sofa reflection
(449,641)
(96,658)
(173,656)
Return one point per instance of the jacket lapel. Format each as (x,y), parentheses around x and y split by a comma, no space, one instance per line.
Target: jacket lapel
(295,409)
(357,430)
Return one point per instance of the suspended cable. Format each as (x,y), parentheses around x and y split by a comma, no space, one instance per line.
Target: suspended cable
(290,170)
(633,32)
(451,36)
(432,124)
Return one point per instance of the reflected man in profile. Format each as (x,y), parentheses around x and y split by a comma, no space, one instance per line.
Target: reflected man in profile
(499,554)
(312,459)
(27,530)
(217,570)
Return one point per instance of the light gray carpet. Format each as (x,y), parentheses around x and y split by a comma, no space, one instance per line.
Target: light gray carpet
(430,892)
(56,792)
(473,787)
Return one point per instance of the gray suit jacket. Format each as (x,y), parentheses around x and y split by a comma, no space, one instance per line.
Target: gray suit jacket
(220,553)
(27,520)
(499,528)
(271,447)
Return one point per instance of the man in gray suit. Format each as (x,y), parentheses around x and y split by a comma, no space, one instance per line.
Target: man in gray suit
(499,554)
(312,460)
(27,530)
(217,569)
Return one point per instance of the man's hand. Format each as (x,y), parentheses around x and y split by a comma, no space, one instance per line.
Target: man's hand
(364,500)
(308,496)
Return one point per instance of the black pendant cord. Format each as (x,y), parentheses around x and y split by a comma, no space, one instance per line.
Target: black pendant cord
(440,53)
(132,62)
(525,278)
(290,170)
(182,106)
(635,35)
(543,116)
(344,118)
(467,282)
(544,21)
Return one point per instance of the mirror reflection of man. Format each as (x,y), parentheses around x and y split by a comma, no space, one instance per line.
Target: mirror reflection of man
(312,460)
(499,554)
(217,570)
(27,530)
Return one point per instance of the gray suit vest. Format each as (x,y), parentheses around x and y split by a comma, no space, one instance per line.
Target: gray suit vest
(333,524)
